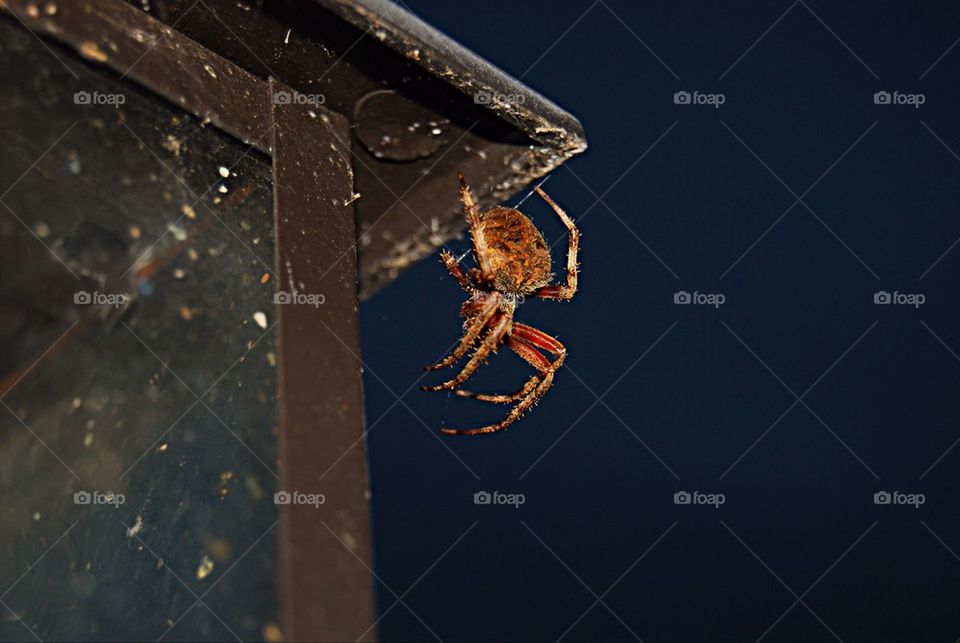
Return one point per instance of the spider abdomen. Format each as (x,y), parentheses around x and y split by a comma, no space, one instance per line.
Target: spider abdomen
(518,254)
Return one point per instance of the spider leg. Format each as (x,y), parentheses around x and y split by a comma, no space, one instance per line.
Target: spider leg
(533,357)
(537,338)
(453,267)
(499,329)
(472,213)
(518,410)
(573,245)
(472,329)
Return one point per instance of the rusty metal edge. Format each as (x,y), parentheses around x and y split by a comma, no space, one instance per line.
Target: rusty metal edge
(535,115)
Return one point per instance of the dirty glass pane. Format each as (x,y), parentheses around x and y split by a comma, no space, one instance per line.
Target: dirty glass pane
(137,451)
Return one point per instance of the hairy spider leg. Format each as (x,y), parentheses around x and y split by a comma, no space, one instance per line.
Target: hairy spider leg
(472,329)
(453,267)
(533,357)
(499,328)
(538,338)
(480,250)
(556,291)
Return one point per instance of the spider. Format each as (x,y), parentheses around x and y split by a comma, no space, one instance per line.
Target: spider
(513,263)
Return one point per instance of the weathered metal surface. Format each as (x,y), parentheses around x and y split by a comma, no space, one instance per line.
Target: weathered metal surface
(326,559)
(456,111)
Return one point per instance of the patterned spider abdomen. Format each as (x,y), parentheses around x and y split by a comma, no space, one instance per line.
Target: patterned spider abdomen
(518,254)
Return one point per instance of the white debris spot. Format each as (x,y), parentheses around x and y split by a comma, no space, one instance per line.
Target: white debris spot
(286,39)
(137,527)
(353,197)
(73,162)
(222,189)
(261,319)
(224,171)
(206,566)
(88,440)
(209,69)
(36,517)
(41,229)
(188,211)
(173,144)
(178,233)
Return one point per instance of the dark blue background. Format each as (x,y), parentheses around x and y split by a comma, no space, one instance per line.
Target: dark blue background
(799,511)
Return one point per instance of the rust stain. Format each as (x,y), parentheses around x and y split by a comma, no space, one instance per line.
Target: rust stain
(92,51)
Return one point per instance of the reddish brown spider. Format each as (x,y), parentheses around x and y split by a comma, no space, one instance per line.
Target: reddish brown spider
(513,261)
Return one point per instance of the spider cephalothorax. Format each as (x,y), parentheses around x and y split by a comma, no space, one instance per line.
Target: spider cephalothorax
(513,260)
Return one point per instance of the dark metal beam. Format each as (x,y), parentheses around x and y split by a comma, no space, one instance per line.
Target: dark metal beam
(325,552)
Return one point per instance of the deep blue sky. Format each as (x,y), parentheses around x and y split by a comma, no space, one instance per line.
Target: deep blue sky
(700,211)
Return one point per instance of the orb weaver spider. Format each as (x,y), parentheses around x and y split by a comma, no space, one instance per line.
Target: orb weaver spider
(513,262)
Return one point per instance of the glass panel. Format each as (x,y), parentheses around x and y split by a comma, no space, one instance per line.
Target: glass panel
(137,427)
